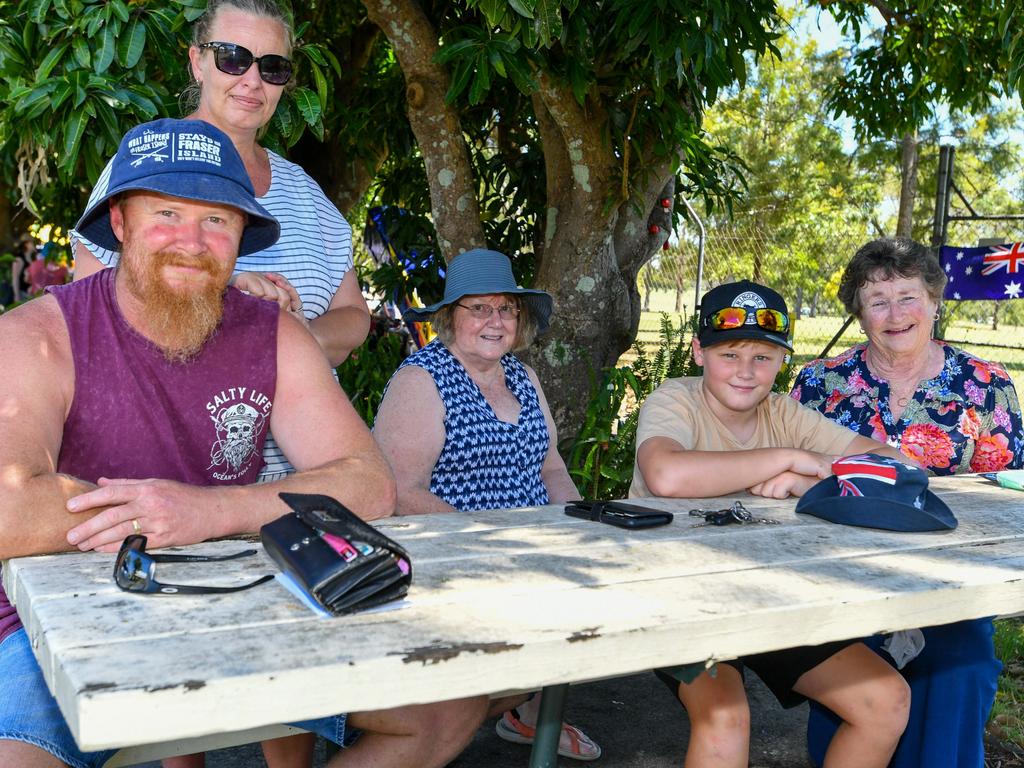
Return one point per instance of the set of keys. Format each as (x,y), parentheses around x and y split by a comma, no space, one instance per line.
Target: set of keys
(737,514)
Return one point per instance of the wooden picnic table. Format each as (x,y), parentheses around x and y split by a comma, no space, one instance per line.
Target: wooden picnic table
(501,601)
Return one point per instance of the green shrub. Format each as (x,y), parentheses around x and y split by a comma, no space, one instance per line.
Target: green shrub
(1006,721)
(600,458)
(366,372)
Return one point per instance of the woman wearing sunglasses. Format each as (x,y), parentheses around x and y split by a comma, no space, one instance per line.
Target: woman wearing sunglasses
(240,62)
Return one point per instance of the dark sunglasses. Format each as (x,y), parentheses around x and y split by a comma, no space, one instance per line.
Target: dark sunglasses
(735,317)
(233,59)
(135,570)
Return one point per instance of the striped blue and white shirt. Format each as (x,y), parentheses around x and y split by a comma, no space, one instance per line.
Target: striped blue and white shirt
(314,253)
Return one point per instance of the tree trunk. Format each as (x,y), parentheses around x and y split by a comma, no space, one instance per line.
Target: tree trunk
(588,253)
(456,211)
(679,283)
(599,251)
(908,186)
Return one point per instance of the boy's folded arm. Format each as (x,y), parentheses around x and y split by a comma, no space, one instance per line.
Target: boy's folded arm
(669,469)
(787,484)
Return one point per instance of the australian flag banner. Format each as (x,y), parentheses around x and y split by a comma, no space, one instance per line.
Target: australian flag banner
(991,272)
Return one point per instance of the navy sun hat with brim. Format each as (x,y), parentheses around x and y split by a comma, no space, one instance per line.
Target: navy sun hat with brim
(872,491)
(480,272)
(190,159)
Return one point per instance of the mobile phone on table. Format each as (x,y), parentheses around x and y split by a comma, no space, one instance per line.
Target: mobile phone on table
(618,513)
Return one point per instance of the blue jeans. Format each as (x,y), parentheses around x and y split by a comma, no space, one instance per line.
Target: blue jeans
(29,713)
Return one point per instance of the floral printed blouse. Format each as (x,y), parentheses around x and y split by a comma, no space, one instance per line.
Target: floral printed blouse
(966,419)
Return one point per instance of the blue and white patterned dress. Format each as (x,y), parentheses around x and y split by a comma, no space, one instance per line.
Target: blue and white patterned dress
(485,463)
(314,252)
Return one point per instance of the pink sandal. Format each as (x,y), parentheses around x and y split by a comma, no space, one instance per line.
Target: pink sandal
(572,743)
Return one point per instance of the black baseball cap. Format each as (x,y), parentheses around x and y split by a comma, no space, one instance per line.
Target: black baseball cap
(751,297)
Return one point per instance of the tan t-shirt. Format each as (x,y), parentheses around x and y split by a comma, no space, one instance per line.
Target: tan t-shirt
(678,410)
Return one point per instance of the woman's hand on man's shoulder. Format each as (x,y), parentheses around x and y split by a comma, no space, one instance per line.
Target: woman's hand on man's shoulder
(271,287)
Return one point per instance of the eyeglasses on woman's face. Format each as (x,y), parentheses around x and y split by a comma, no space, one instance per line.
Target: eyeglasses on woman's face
(484,311)
(884,306)
(232,59)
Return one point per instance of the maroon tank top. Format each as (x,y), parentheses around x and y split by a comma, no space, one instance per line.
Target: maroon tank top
(136,415)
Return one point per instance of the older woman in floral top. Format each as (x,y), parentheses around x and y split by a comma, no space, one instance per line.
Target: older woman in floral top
(950,412)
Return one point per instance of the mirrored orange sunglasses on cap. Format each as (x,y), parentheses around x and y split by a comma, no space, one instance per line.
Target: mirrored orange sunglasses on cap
(736,317)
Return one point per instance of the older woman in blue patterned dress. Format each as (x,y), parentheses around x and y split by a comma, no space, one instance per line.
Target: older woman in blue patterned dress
(952,413)
(465,426)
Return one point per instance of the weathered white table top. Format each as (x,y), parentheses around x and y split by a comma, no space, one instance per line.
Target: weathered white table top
(501,601)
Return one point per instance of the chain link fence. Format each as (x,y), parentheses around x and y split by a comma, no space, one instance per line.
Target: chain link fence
(805,268)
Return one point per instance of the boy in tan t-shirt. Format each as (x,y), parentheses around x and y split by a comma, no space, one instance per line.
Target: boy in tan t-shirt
(726,432)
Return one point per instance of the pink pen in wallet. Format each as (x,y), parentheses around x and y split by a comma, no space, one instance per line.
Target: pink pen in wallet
(341,546)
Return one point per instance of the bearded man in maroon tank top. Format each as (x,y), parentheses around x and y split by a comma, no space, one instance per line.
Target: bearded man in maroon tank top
(140,401)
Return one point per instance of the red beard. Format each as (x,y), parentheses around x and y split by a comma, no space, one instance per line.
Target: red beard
(178,320)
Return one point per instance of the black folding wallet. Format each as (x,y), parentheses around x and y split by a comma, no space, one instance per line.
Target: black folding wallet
(343,563)
(618,513)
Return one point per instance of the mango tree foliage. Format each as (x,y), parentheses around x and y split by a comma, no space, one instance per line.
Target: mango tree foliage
(73,79)
(552,129)
(76,74)
(926,53)
(926,56)
(1012,30)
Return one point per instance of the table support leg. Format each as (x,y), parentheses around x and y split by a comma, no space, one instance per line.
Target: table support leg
(549,726)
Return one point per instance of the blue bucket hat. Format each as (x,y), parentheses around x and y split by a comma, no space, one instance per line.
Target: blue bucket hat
(479,272)
(190,159)
(874,491)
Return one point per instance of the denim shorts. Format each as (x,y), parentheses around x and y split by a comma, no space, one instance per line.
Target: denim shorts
(29,713)
(331,728)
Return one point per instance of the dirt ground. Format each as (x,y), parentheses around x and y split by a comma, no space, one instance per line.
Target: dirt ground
(635,720)
(638,725)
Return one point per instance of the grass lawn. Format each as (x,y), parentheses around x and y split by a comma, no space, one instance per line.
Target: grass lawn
(1007,720)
